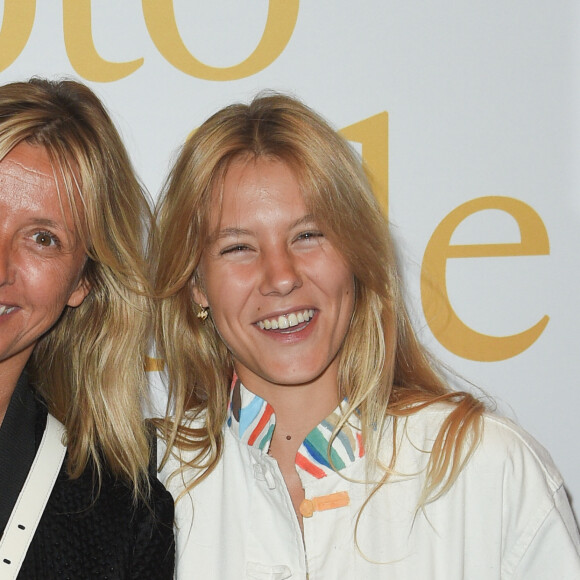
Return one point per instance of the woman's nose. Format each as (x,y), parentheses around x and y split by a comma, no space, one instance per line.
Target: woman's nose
(280,273)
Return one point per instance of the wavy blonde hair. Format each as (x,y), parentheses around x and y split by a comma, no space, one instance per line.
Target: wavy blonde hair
(384,371)
(89,367)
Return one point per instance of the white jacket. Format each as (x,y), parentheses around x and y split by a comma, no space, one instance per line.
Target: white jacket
(506,517)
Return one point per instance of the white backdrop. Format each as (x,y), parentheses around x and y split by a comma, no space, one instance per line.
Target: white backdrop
(482,100)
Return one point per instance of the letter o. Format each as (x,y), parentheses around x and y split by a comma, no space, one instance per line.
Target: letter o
(160,20)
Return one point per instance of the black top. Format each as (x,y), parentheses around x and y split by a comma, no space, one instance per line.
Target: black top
(86,531)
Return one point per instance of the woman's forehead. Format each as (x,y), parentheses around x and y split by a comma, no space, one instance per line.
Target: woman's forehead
(28,163)
(255,182)
(28,174)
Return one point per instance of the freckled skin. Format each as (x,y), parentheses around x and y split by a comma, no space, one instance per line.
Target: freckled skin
(41,261)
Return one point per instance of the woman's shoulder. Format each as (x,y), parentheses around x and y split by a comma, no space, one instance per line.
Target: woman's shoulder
(100,529)
(502,444)
(503,434)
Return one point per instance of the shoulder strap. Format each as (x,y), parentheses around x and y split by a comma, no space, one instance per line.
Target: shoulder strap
(32,499)
(151,430)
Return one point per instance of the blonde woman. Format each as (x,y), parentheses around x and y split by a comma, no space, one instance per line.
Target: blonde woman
(74,313)
(312,435)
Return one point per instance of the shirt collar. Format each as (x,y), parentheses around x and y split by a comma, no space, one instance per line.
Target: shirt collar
(252,420)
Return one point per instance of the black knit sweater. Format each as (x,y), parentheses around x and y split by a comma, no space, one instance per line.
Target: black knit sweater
(85,531)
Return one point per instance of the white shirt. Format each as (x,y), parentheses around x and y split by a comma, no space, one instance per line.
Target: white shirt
(506,516)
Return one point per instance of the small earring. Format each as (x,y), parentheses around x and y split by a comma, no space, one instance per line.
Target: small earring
(203,312)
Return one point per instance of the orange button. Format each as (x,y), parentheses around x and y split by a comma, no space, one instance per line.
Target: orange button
(324,502)
(307,508)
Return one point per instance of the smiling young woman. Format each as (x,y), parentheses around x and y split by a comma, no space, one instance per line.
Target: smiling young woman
(312,435)
(267,263)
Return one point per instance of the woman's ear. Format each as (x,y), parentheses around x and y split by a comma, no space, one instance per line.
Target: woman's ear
(197,291)
(199,296)
(79,293)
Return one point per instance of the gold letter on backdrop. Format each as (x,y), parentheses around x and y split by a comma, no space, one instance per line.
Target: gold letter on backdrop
(449,330)
(160,19)
(80,47)
(17,25)
(373,134)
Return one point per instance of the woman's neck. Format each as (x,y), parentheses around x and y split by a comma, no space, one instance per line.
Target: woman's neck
(10,371)
(298,408)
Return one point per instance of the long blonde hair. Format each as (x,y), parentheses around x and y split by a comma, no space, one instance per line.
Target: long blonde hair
(89,367)
(384,371)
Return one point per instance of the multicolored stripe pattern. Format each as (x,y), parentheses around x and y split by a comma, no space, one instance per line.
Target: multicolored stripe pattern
(252,420)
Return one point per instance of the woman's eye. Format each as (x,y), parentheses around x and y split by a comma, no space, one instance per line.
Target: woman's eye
(234,249)
(310,235)
(45,239)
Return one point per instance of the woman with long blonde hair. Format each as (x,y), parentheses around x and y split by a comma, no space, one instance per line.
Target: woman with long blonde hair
(74,324)
(311,434)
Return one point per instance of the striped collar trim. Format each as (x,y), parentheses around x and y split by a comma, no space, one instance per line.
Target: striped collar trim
(252,420)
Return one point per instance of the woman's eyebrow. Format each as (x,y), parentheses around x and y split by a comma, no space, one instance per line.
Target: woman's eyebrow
(307,219)
(232,232)
(47,223)
(228,233)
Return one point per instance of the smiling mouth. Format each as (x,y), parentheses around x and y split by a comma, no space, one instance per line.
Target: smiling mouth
(6,309)
(286,320)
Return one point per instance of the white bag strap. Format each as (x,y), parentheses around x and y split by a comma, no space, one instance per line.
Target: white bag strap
(32,499)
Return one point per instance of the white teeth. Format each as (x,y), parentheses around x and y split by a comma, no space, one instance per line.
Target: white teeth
(6,309)
(286,320)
